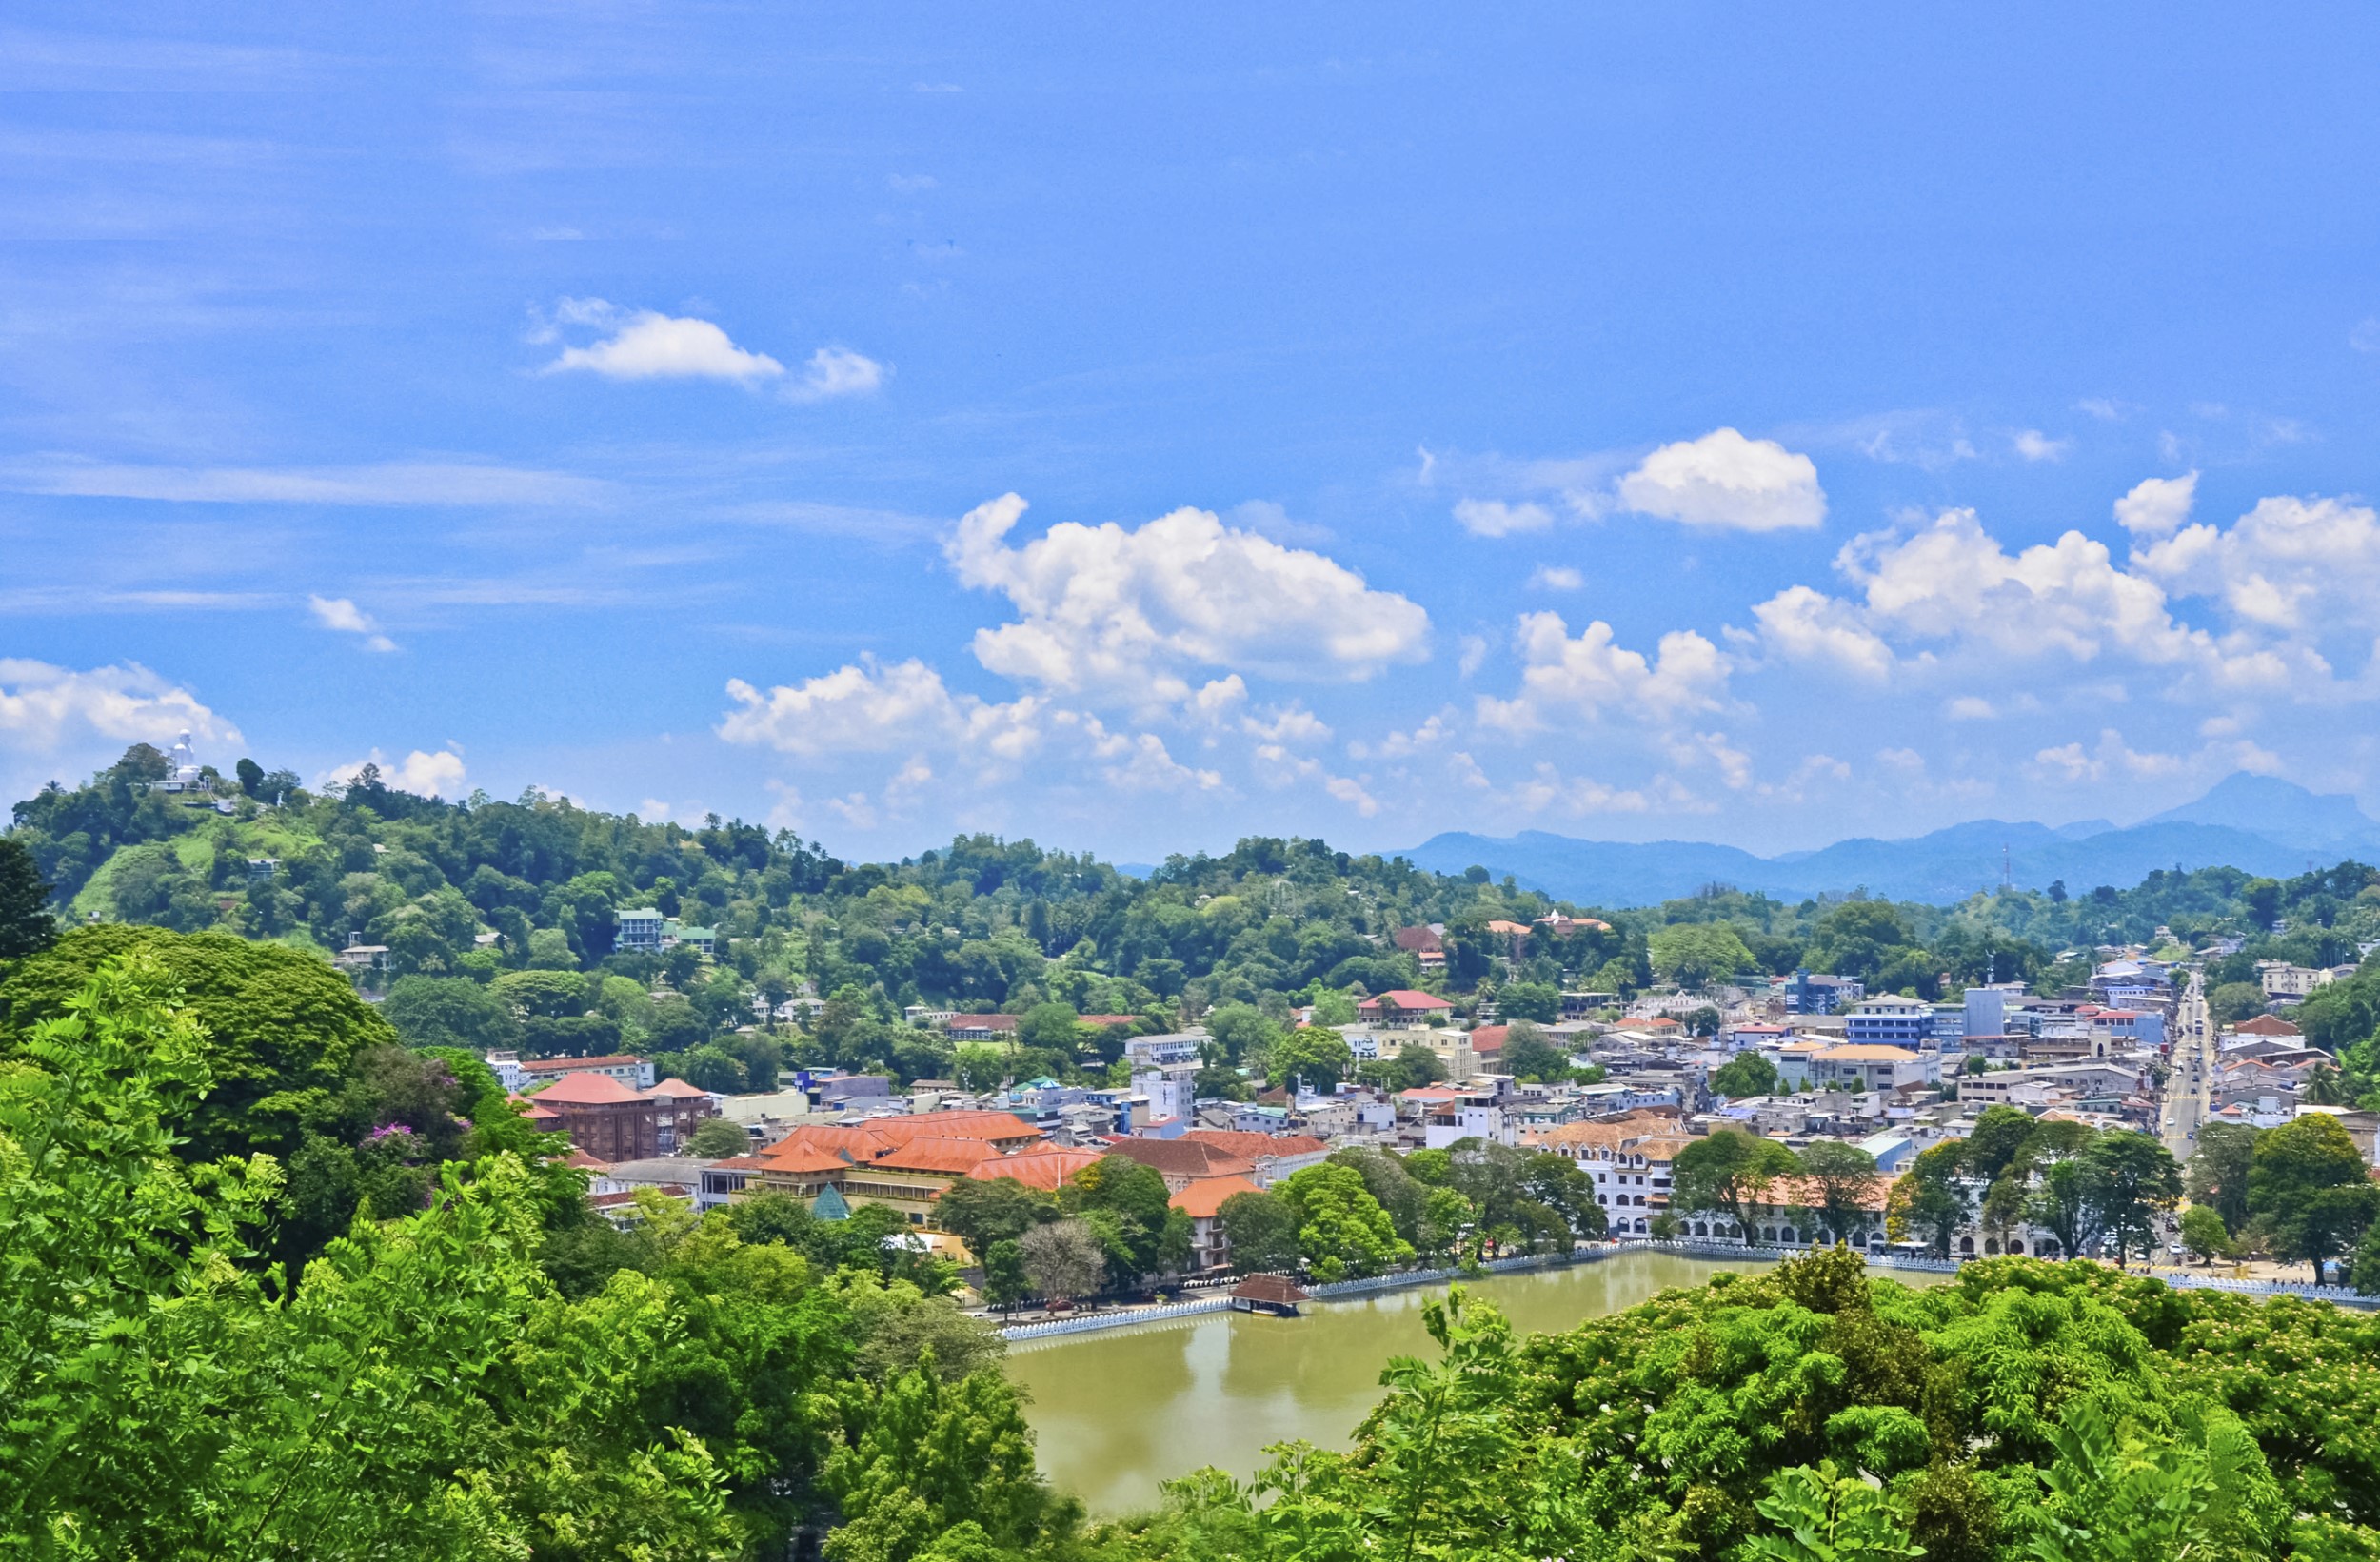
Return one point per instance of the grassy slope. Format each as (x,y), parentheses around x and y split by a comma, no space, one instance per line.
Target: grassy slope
(267,835)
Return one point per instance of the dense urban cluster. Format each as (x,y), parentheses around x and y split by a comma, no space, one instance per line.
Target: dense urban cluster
(534,1181)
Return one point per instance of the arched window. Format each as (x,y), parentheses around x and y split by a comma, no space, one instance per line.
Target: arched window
(1785,1234)
(1700,1230)
(1640,1228)
(1991,1247)
(1768,1233)
(2017,1248)
(1967,1246)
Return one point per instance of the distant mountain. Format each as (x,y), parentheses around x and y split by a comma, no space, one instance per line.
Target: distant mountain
(2251,822)
(2279,811)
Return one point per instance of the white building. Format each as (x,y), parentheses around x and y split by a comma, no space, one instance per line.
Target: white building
(1872,1066)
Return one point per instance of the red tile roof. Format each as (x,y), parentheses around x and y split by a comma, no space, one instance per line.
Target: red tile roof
(1252,1146)
(800,1159)
(1406,998)
(1046,1166)
(951,1158)
(1202,1198)
(2267,1025)
(676,1087)
(1489,1037)
(587,1090)
(1184,1158)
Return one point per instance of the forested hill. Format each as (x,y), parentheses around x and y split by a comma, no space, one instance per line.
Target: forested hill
(464,895)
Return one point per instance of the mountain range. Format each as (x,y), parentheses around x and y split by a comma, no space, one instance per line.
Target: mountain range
(2257,824)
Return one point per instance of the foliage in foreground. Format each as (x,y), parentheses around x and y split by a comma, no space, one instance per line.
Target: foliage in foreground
(2055,1413)
(425,1391)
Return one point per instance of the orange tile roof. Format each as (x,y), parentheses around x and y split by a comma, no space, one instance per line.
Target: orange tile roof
(862,1142)
(1406,998)
(676,1087)
(586,1162)
(1045,1168)
(1866,1052)
(1185,1156)
(1203,1197)
(2267,1025)
(950,1158)
(798,1159)
(1233,1142)
(587,1090)
(1490,1037)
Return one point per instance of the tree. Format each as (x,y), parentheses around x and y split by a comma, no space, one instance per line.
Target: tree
(1540,1001)
(1829,1516)
(1995,1143)
(984,1214)
(2234,1001)
(1261,1229)
(2217,1174)
(1130,1206)
(1242,1031)
(1529,1056)
(1840,1179)
(542,995)
(2310,1184)
(2134,1179)
(1006,1283)
(716,1139)
(1317,1057)
(2203,1233)
(280,1026)
(1063,1259)
(1730,1171)
(1342,1229)
(1695,953)
(251,776)
(1744,1076)
(449,1012)
(1052,1027)
(26,924)
(1930,1201)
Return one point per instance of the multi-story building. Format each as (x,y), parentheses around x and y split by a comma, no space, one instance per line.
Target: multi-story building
(1874,1066)
(1891,1021)
(611,1122)
(638,932)
(630,1070)
(1401,1008)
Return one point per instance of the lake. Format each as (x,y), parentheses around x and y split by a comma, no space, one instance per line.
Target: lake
(1116,1412)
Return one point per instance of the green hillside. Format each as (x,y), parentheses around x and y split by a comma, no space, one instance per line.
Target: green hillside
(498,921)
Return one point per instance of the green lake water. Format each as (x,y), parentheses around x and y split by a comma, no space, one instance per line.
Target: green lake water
(1115,1413)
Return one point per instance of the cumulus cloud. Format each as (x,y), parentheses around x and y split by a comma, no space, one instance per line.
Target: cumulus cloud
(1127,612)
(2156,507)
(647,344)
(1726,481)
(341,614)
(868,707)
(425,773)
(57,723)
(834,372)
(1588,675)
(2033,444)
(1557,577)
(2288,564)
(1495,517)
(1953,584)
(1802,624)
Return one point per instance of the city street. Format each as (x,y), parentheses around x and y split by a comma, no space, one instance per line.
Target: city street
(2189,1089)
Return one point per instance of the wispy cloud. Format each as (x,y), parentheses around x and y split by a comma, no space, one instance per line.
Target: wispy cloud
(341,615)
(394,482)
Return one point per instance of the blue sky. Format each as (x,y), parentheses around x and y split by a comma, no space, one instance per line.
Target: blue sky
(1707,424)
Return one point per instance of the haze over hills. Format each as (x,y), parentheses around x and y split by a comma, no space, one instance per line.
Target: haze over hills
(2256,823)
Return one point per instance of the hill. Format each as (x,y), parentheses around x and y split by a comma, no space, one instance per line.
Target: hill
(2255,823)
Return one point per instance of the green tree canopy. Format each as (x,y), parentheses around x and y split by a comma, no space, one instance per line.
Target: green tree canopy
(1728,1172)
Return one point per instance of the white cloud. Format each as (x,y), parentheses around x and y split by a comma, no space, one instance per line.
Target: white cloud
(57,723)
(425,773)
(1286,725)
(1282,768)
(2033,444)
(1495,517)
(1557,577)
(647,344)
(2288,564)
(1970,707)
(341,614)
(1585,677)
(1803,625)
(2104,408)
(867,707)
(1727,481)
(1475,651)
(1399,746)
(395,482)
(834,372)
(2158,506)
(1125,612)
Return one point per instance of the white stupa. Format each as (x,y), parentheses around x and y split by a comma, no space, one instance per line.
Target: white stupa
(183,775)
